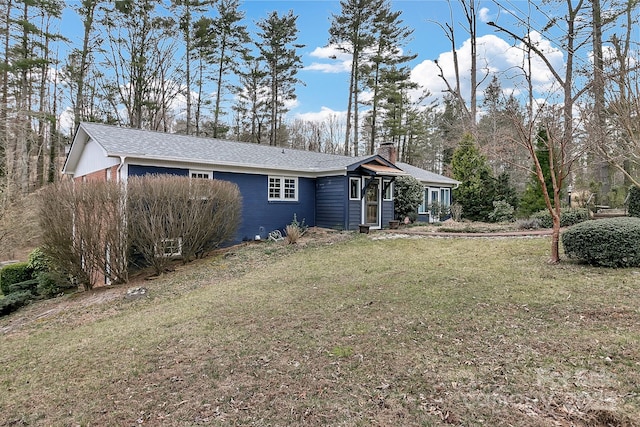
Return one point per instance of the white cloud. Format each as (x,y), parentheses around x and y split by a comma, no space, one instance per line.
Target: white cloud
(324,115)
(290,104)
(495,57)
(485,15)
(340,61)
(65,121)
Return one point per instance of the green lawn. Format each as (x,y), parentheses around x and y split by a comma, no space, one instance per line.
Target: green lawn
(360,332)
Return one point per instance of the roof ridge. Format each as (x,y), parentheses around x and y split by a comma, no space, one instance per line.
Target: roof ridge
(228,141)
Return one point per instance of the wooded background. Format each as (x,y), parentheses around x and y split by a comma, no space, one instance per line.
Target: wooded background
(137,57)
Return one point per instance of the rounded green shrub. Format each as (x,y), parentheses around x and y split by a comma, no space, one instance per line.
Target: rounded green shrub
(568,217)
(14,273)
(502,212)
(408,194)
(610,242)
(38,261)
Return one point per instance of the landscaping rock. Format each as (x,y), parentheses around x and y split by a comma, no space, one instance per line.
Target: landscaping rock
(137,292)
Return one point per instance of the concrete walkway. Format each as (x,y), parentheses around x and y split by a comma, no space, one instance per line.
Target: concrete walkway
(521,233)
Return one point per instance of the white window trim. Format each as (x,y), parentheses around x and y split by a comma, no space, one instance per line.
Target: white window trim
(282,180)
(445,191)
(200,172)
(160,249)
(358,182)
(423,209)
(389,189)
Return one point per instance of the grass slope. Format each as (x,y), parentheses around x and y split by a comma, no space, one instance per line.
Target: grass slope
(357,333)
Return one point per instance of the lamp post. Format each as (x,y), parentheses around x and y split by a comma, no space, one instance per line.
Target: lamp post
(569,190)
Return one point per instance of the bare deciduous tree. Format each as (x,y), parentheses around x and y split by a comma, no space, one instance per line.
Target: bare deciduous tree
(557,119)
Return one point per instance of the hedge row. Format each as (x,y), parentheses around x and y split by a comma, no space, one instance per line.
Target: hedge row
(634,201)
(14,273)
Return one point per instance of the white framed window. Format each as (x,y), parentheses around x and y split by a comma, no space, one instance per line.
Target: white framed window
(200,174)
(354,188)
(445,197)
(283,188)
(388,190)
(424,206)
(169,248)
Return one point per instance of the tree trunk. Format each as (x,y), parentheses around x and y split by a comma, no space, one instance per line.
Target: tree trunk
(603,167)
(4,125)
(555,240)
(216,111)
(347,134)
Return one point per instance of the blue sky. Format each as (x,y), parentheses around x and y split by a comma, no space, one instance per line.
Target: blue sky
(326,86)
(325,92)
(328,89)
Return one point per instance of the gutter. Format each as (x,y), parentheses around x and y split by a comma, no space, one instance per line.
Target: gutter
(119,170)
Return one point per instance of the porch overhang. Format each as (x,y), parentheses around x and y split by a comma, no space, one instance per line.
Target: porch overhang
(382,170)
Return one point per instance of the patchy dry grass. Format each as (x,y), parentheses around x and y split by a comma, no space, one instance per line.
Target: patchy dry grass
(415,331)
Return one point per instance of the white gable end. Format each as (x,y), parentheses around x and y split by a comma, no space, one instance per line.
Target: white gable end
(93,159)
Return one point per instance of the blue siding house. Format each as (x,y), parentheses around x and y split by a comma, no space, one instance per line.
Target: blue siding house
(276,183)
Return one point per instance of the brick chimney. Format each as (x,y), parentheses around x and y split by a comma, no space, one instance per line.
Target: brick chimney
(388,151)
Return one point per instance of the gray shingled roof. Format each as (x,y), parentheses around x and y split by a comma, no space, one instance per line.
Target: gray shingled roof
(144,144)
(426,176)
(120,141)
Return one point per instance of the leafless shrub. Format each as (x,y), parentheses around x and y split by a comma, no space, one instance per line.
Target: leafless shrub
(172,217)
(456,211)
(88,231)
(82,230)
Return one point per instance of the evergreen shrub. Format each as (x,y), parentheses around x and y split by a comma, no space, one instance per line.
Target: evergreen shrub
(38,261)
(26,286)
(634,201)
(568,217)
(14,301)
(14,273)
(52,283)
(408,195)
(502,212)
(610,242)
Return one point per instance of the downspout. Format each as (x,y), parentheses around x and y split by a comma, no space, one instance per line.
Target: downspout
(119,170)
(122,268)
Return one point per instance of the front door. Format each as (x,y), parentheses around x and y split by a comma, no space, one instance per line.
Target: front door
(372,204)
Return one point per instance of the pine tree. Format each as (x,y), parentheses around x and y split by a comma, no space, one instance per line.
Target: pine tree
(228,44)
(352,32)
(279,51)
(186,9)
(496,131)
(476,191)
(251,97)
(80,62)
(201,50)
(26,113)
(384,74)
